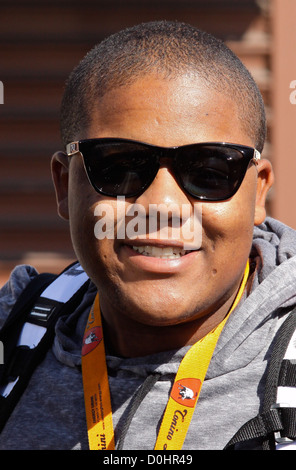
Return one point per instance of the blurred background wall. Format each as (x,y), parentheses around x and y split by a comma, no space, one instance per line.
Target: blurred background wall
(42,40)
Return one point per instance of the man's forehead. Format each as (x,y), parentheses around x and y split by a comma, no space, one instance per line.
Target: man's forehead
(156,104)
(161,91)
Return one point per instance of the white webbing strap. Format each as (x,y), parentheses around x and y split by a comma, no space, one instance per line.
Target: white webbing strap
(286,396)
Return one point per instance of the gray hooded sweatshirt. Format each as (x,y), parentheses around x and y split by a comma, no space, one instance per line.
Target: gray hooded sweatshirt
(51,415)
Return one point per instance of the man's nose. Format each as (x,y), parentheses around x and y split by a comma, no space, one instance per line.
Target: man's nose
(165,203)
(168,211)
(165,190)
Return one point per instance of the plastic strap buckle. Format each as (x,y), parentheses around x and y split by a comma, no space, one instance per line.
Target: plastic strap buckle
(42,311)
(277,435)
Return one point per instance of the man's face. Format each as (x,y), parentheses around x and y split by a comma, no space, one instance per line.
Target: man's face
(147,289)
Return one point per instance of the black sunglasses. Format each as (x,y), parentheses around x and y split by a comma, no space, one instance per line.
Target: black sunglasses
(206,171)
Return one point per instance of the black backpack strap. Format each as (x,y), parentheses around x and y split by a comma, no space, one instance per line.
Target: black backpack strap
(31,309)
(14,322)
(276,424)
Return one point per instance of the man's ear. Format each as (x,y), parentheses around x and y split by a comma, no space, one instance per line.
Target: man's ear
(60,176)
(265,180)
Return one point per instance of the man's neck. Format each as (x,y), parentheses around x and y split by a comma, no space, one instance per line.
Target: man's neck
(127,338)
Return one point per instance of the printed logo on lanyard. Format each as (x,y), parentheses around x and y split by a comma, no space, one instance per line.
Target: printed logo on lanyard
(91,339)
(185,391)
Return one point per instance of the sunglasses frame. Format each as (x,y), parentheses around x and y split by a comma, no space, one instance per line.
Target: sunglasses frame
(251,154)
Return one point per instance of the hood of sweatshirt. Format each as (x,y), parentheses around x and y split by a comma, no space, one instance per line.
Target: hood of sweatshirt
(272,293)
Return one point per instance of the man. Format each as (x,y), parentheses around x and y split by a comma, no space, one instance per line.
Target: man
(144,120)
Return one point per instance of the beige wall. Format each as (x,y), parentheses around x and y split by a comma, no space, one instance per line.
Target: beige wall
(284,112)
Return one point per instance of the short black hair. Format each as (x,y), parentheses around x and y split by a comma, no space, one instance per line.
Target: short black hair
(169,48)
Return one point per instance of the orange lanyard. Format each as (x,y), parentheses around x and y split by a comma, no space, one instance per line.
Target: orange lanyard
(183,396)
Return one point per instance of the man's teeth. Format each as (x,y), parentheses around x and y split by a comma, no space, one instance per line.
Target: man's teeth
(157,252)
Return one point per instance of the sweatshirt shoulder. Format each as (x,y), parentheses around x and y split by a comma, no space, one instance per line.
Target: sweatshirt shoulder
(9,293)
(274,241)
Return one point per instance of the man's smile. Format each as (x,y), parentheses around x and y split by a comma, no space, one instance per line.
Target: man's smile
(162,249)
(158,252)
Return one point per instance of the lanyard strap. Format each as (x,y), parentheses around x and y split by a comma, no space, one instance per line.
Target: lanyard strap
(183,396)
(96,384)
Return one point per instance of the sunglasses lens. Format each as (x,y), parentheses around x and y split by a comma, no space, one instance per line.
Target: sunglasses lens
(120,168)
(211,172)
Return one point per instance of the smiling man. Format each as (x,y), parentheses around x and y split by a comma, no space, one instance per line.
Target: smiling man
(160,115)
